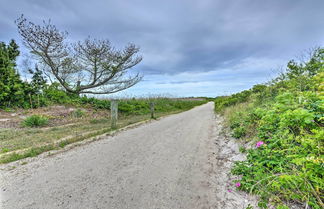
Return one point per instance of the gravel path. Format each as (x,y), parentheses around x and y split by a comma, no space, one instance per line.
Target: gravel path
(166,164)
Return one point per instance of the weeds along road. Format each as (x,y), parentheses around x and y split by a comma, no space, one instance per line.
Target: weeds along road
(162,164)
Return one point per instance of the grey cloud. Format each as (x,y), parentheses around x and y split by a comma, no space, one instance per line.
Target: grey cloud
(185,35)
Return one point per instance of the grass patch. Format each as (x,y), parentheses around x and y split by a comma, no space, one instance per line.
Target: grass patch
(98,121)
(78,113)
(35,121)
(4,150)
(30,153)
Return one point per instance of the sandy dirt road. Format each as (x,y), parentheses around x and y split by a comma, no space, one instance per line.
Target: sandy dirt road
(165,164)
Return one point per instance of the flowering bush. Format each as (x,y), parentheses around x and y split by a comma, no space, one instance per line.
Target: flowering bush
(287,118)
(259,143)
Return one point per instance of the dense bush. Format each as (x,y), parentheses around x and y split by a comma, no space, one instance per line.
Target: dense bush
(286,118)
(35,121)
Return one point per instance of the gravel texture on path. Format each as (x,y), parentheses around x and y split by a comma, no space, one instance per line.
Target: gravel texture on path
(180,161)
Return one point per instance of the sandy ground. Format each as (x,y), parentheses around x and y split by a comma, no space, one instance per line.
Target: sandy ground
(181,161)
(58,115)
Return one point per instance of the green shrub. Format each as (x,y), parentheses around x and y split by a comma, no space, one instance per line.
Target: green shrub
(35,121)
(242,149)
(286,164)
(239,132)
(55,95)
(78,113)
(289,166)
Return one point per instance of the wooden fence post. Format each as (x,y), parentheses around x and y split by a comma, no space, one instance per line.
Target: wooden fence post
(152,110)
(114,113)
(31,101)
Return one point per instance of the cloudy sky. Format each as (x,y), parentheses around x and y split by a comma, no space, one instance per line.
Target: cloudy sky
(190,47)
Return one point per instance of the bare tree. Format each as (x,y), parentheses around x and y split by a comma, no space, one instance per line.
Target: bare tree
(89,67)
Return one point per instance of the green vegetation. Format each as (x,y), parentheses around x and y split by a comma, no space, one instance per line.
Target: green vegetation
(17,93)
(284,122)
(33,152)
(12,89)
(78,113)
(161,105)
(35,121)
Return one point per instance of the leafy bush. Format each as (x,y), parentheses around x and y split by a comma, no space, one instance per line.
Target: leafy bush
(55,95)
(239,132)
(286,164)
(35,121)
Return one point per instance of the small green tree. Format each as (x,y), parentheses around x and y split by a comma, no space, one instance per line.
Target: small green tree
(11,86)
(38,82)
